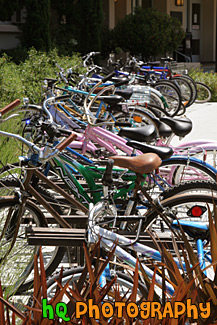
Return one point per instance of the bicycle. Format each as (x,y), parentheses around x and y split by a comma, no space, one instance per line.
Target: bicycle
(103,223)
(20,212)
(108,141)
(15,206)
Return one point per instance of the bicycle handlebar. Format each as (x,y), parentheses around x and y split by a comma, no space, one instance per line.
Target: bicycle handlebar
(10,106)
(66,142)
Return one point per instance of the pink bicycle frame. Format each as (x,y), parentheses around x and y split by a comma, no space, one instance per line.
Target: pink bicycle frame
(103,138)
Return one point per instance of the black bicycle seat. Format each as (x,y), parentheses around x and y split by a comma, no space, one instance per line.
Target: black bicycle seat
(162,152)
(112,99)
(163,129)
(125,93)
(144,133)
(181,127)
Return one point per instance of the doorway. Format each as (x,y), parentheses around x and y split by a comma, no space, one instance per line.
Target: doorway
(195,26)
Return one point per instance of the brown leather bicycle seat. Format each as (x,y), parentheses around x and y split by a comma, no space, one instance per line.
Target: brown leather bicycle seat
(142,164)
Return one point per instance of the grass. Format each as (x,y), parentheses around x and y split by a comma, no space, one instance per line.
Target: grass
(208,78)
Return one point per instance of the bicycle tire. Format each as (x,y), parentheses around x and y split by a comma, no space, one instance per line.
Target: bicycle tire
(182,200)
(190,187)
(185,88)
(156,100)
(172,95)
(209,155)
(32,214)
(180,207)
(182,110)
(203,93)
(75,273)
(194,168)
(193,86)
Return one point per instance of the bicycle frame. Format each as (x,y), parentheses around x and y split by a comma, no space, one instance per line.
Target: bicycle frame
(203,255)
(108,238)
(30,172)
(66,166)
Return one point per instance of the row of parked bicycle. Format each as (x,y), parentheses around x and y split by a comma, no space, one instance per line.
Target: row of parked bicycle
(97,162)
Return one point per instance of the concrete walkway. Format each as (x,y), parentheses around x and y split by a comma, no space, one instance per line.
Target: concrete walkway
(204,118)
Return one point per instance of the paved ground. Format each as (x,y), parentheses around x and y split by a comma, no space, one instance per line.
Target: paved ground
(204,118)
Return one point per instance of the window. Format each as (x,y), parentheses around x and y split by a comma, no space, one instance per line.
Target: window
(176,14)
(146,3)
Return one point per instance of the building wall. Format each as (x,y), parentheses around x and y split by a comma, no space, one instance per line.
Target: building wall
(208,30)
(120,10)
(182,10)
(9,36)
(160,5)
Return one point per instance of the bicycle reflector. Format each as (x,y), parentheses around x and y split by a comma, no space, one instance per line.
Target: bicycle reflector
(137,118)
(196,211)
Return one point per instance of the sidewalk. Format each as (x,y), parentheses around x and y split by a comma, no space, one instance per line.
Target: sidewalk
(204,118)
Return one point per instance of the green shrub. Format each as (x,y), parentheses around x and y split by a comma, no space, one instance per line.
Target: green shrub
(208,78)
(25,80)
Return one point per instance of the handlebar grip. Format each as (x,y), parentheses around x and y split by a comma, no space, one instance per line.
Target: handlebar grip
(109,76)
(10,106)
(66,142)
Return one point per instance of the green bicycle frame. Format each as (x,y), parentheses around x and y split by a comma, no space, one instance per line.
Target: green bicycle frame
(67,168)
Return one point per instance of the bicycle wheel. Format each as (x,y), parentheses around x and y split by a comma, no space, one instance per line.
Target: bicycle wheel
(137,117)
(172,95)
(181,169)
(190,187)
(209,155)
(203,93)
(193,87)
(181,208)
(156,99)
(124,282)
(185,88)
(192,209)
(18,265)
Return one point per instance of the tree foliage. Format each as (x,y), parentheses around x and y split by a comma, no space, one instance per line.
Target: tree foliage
(148,32)
(36,30)
(79,24)
(7,9)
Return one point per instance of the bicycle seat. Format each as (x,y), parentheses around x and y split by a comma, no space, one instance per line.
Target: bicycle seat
(142,164)
(144,133)
(163,129)
(196,230)
(180,127)
(125,93)
(162,152)
(112,99)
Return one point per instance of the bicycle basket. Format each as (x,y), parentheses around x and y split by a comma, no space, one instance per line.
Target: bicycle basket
(178,68)
(141,95)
